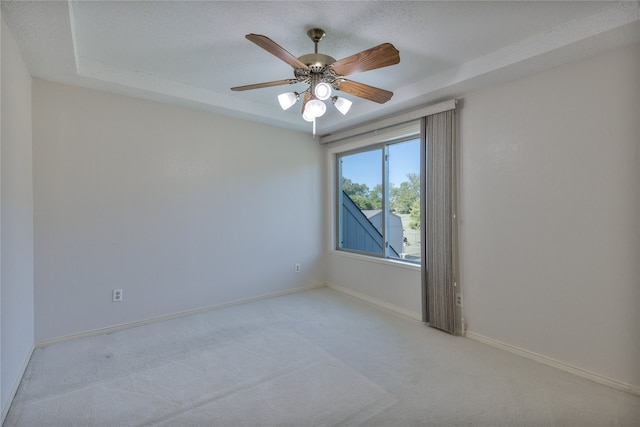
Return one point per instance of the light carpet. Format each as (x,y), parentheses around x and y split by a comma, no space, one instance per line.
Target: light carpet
(313,358)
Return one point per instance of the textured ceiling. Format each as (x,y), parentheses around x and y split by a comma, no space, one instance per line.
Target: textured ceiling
(191,53)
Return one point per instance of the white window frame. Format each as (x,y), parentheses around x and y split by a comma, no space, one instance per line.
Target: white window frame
(354,144)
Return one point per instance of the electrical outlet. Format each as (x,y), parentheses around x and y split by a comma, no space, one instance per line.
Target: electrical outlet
(297,268)
(459,300)
(116,295)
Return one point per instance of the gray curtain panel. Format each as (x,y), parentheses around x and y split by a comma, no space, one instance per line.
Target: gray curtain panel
(439,253)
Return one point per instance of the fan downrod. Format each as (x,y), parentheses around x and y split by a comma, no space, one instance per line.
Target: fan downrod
(316,34)
(316,62)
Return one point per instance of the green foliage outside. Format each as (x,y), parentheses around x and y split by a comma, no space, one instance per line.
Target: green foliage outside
(414,214)
(403,199)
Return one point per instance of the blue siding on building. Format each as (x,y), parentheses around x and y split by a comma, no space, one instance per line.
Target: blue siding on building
(395,233)
(359,233)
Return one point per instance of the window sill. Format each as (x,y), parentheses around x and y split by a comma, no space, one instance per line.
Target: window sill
(372,259)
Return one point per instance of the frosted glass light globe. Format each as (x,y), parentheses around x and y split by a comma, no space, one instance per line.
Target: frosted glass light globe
(343,105)
(315,108)
(322,91)
(286,100)
(308,117)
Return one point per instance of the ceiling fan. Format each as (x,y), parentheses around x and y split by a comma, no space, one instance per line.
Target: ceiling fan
(323,73)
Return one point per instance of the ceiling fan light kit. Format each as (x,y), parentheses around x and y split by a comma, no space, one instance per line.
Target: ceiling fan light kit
(306,115)
(287,100)
(324,74)
(316,108)
(322,91)
(342,104)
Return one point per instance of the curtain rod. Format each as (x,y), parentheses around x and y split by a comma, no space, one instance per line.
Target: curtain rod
(391,121)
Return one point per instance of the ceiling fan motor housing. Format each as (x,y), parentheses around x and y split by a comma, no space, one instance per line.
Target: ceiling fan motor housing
(316,61)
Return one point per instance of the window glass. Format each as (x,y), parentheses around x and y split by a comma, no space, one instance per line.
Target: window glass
(361,202)
(379,200)
(404,199)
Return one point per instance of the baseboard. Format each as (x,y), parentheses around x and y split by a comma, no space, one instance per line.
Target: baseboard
(375,301)
(15,387)
(130,325)
(556,364)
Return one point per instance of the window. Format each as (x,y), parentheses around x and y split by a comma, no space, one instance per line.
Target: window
(378,200)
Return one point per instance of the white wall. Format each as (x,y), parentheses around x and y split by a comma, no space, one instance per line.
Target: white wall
(16,219)
(550,211)
(180,208)
(2,399)
(390,284)
(395,285)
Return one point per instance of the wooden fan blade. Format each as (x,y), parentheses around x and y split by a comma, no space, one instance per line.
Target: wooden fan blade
(275,49)
(377,57)
(307,98)
(364,91)
(266,84)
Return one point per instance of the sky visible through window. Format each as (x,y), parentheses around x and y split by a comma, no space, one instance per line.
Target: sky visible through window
(365,167)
